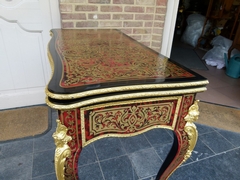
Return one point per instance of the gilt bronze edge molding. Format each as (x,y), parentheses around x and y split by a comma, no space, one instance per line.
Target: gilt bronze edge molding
(123,97)
(122,89)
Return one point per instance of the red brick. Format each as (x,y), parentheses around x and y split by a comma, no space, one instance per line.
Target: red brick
(146,43)
(156,38)
(157,31)
(161,10)
(132,24)
(99,16)
(110,24)
(134,9)
(145,2)
(160,17)
(161,2)
(65,8)
(73,16)
(111,8)
(67,25)
(136,37)
(148,24)
(87,24)
(158,24)
(99,1)
(123,1)
(126,31)
(144,16)
(150,9)
(147,37)
(123,16)
(156,44)
(72,1)
(85,8)
(142,31)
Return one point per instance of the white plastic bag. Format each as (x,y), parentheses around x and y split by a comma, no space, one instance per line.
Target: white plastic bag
(194,29)
(215,56)
(221,41)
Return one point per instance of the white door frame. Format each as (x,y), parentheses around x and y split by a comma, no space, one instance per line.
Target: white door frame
(169,27)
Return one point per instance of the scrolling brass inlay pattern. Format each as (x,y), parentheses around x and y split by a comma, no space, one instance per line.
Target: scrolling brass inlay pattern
(129,119)
(103,56)
(121,119)
(70,119)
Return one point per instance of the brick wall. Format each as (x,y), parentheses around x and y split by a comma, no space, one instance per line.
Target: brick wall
(143,20)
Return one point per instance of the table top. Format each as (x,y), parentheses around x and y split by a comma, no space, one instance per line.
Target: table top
(93,59)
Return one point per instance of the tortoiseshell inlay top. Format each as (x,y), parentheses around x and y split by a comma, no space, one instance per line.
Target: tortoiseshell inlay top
(91,57)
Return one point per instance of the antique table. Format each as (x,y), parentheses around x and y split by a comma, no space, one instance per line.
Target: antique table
(105,84)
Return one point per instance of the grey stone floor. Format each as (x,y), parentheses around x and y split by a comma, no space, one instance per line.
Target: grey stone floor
(216,156)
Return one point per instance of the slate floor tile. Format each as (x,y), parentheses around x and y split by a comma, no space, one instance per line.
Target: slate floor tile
(35,157)
(16,168)
(87,156)
(46,177)
(89,172)
(203,129)
(158,136)
(201,151)
(118,168)
(162,150)
(150,178)
(232,137)
(16,148)
(228,164)
(44,142)
(221,167)
(108,148)
(43,163)
(146,162)
(216,142)
(135,143)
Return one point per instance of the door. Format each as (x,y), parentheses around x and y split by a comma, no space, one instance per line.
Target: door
(24,35)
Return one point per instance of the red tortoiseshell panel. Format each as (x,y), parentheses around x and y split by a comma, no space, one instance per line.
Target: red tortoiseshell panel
(71,119)
(128,118)
(103,56)
(183,139)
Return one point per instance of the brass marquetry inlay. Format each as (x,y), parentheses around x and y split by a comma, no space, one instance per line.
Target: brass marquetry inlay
(129,118)
(122,118)
(103,56)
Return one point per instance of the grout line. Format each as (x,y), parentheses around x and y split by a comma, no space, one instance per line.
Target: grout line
(112,158)
(217,154)
(208,147)
(98,161)
(224,138)
(32,167)
(43,175)
(133,167)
